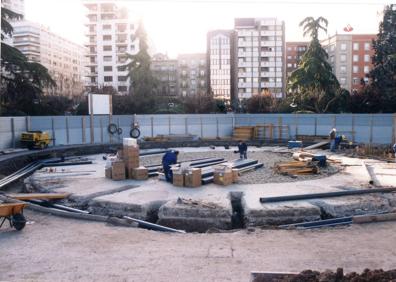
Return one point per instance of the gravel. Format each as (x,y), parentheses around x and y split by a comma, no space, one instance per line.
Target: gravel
(259,176)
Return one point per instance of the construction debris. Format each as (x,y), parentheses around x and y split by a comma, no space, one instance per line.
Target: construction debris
(30,196)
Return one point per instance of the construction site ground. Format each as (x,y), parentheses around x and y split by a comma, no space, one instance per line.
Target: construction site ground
(157,201)
(57,249)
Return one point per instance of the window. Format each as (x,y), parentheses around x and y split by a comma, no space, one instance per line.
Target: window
(108,68)
(289,48)
(355,46)
(289,57)
(367,46)
(343,47)
(355,69)
(132,47)
(367,58)
(107,58)
(121,68)
(289,65)
(342,58)
(106,37)
(342,80)
(355,80)
(106,26)
(122,78)
(108,78)
(122,88)
(356,58)
(342,69)
(107,48)
(366,69)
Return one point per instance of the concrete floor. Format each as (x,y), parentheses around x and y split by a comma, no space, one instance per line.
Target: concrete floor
(141,198)
(57,249)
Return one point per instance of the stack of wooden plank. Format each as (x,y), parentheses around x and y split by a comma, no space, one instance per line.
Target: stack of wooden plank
(296,168)
(243,133)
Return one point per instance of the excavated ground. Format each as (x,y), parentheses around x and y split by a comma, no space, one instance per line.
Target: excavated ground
(217,207)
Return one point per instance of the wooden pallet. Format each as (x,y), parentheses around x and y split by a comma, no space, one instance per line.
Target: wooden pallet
(243,133)
(271,132)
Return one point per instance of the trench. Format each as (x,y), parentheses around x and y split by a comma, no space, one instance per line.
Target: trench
(238,214)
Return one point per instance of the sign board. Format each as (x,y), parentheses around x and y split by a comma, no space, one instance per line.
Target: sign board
(100,104)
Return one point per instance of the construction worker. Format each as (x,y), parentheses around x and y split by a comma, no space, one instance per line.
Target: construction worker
(332,136)
(242,149)
(170,158)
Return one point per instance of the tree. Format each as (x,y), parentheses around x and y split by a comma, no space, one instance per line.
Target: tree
(142,82)
(21,81)
(313,84)
(384,72)
(260,104)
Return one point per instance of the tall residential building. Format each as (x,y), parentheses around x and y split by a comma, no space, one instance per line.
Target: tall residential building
(110,37)
(350,56)
(294,52)
(165,70)
(192,74)
(260,51)
(17,6)
(221,64)
(63,58)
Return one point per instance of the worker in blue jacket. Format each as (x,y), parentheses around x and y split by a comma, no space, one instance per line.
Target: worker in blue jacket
(170,158)
(242,149)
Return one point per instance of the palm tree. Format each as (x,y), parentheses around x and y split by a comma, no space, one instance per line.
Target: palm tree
(312,26)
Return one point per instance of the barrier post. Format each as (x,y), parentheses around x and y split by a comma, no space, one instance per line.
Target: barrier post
(12,132)
(53,131)
(67,130)
(83,137)
(152,126)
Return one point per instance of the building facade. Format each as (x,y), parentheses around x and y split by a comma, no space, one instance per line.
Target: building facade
(166,72)
(221,64)
(63,58)
(350,56)
(110,36)
(260,57)
(294,52)
(192,74)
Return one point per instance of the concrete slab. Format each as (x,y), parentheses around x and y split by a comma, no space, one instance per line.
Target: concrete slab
(353,205)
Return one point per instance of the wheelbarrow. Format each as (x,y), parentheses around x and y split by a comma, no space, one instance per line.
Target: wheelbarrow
(13,212)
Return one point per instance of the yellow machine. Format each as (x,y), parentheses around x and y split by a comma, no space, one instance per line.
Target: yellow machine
(35,139)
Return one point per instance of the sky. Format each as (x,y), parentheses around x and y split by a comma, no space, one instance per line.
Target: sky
(180,26)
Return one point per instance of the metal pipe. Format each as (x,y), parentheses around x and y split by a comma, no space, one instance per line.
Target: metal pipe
(61,207)
(347,219)
(153,226)
(325,195)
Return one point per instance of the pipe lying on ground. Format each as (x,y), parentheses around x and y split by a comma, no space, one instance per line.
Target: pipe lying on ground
(325,195)
(153,226)
(320,223)
(57,206)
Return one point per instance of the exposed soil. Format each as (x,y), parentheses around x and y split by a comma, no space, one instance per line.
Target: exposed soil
(262,175)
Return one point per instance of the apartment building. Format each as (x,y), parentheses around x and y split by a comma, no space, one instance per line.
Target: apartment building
(260,57)
(221,64)
(294,52)
(165,70)
(63,58)
(350,56)
(192,74)
(110,37)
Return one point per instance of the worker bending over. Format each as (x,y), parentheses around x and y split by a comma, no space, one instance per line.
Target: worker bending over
(170,158)
(242,149)
(332,136)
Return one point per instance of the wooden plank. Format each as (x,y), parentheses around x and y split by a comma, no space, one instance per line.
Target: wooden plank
(30,196)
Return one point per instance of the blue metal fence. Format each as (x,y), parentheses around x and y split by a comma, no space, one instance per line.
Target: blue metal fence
(362,128)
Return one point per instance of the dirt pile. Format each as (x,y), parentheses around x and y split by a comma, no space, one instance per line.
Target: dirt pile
(377,275)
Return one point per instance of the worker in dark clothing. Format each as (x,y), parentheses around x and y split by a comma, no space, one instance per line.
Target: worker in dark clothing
(170,158)
(332,136)
(242,150)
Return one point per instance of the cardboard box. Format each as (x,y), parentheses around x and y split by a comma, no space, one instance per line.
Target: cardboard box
(118,170)
(221,178)
(140,173)
(130,152)
(132,163)
(108,172)
(129,142)
(235,175)
(193,177)
(178,180)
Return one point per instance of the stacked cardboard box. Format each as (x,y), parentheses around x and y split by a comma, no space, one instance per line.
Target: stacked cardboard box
(223,175)
(139,173)
(131,156)
(235,175)
(178,176)
(118,170)
(193,177)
